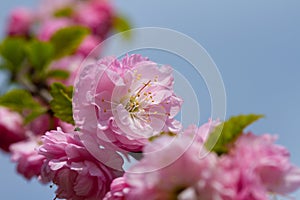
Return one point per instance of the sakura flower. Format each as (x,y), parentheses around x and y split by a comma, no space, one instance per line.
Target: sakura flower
(77,174)
(246,183)
(11,128)
(126,101)
(25,154)
(118,190)
(95,14)
(87,45)
(19,22)
(170,166)
(268,161)
(40,125)
(215,183)
(200,134)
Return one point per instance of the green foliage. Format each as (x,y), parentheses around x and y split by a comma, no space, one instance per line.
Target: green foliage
(64,12)
(58,74)
(227,132)
(40,54)
(13,53)
(67,40)
(121,24)
(61,104)
(22,101)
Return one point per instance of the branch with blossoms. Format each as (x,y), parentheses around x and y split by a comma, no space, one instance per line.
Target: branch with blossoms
(78,134)
(40,55)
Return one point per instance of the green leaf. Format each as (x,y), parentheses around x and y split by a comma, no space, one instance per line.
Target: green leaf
(58,74)
(121,24)
(13,53)
(40,54)
(224,135)
(22,101)
(67,40)
(61,104)
(64,12)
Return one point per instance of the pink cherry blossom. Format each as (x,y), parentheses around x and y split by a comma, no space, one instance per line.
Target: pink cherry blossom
(118,190)
(25,154)
(66,127)
(246,183)
(126,101)
(40,125)
(87,45)
(215,183)
(95,14)
(200,134)
(19,22)
(11,128)
(77,174)
(169,166)
(268,161)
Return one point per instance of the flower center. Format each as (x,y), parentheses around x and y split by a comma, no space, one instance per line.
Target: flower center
(133,105)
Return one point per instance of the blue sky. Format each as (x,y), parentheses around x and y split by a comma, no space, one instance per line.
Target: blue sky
(256,46)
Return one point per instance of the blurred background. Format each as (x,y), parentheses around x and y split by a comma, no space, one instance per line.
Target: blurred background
(255,44)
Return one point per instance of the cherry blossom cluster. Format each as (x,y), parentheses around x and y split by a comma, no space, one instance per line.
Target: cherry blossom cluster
(52,15)
(255,168)
(128,106)
(41,24)
(78,128)
(43,46)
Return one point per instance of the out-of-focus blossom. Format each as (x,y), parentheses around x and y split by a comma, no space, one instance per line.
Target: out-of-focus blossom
(97,15)
(200,134)
(118,190)
(25,154)
(246,183)
(77,174)
(40,125)
(266,163)
(11,128)
(19,22)
(253,169)
(126,101)
(170,166)
(215,183)
(94,14)
(87,45)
